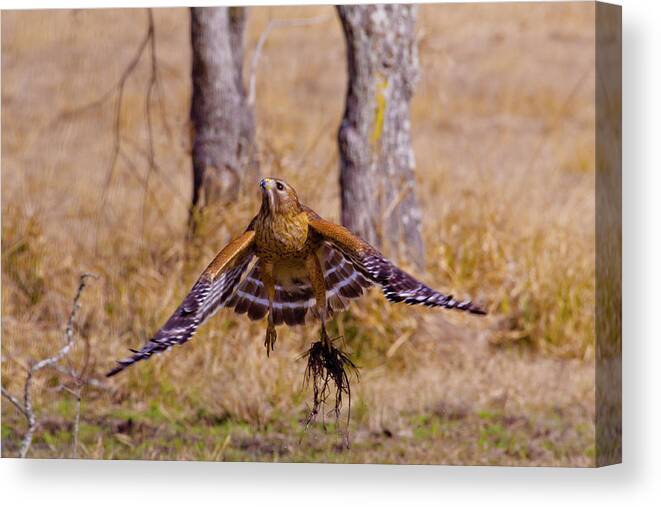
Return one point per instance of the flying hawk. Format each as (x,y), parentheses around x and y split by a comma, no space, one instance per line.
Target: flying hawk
(305,268)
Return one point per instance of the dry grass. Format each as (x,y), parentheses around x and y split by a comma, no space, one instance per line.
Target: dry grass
(503,129)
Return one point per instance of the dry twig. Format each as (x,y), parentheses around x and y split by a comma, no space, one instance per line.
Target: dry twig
(154,85)
(27,407)
(272,25)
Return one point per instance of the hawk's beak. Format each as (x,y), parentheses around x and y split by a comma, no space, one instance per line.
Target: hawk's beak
(268,185)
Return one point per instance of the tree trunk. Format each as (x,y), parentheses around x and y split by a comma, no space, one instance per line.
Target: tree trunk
(377,164)
(223,122)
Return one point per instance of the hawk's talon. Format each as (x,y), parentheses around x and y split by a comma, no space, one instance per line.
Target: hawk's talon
(325,339)
(271,337)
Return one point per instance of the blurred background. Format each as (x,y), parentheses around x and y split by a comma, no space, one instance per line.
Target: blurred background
(503,129)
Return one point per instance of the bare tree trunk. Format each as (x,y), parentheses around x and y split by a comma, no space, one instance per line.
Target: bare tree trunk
(377,163)
(222,120)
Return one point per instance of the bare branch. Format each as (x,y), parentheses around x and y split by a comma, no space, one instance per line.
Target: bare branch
(158,170)
(14,401)
(148,44)
(92,382)
(119,87)
(27,408)
(150,130)
(134,172)
(272,25)
(29,411)
(76,423)
(68,333)
(77,394)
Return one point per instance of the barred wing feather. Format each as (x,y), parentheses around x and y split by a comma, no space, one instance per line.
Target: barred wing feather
(397,285)
(211,292)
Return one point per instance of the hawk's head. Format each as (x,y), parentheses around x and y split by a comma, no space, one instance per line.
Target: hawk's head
(278,196)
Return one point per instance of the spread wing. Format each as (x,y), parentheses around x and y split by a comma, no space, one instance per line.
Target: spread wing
(211,292)
(397,285)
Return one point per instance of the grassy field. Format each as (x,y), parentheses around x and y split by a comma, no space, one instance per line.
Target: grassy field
(503,132)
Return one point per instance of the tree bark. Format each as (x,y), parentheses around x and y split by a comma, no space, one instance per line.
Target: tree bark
(223,122)
(377,163)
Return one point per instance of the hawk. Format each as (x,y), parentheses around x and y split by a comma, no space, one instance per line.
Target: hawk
(291,266)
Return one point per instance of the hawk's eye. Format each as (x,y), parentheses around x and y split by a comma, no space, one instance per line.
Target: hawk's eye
(279,186)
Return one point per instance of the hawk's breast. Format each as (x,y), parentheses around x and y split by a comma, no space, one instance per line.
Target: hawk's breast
(283,238)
